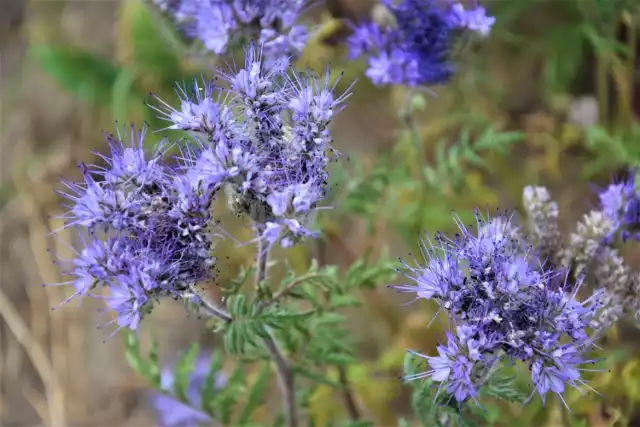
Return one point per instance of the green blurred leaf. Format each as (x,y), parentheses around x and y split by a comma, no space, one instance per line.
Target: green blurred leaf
(153,369)
(132,352)
(85,75)
(182,372)
(122,94)
(315,377)
(150,368)
(504,387)
(151,51)
(208,388)
(256,395)
(227,399)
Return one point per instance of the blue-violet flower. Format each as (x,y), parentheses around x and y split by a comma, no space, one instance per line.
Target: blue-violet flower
(266,137)
(175,413)
(620,203)
(221,25)
(416,49)
(145,229)
(505,307)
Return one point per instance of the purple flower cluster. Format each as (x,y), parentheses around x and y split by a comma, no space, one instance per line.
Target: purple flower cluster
(620,203)
(147,228)
(505,306)
(415,51)
(222,24)
(174,413)
(266,136)
(144,228)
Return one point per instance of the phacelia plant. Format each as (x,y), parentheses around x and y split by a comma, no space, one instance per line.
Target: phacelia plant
(415,49)
(504,306)
(148,227)
(259,136)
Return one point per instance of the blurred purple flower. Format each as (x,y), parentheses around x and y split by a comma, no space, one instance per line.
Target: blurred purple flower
(221,25)
(620,203)
(474,20)
(416,49)
(174,413)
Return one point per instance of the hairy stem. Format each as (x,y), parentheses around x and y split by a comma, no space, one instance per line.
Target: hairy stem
(287,289)
(349,401)
(210,307)
(283,367)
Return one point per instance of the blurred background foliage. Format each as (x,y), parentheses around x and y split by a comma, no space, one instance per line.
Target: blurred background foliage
(551,98)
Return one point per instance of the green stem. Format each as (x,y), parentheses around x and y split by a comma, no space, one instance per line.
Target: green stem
(283,367)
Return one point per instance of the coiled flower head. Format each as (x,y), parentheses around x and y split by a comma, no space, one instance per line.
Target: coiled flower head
(145,229)
(504,306)
(269,141)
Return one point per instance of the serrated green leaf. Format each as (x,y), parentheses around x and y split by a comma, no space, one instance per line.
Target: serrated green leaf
(150,368)
(256,395)
(466,422)
(182,372)
(153,370)
(237,305)
(331,318)
(132,352)
(505,388)
(85,75)
(337,359)
(473,158)
(228,399)
(339,301)
(240,280)
(277,318)
(207,393)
